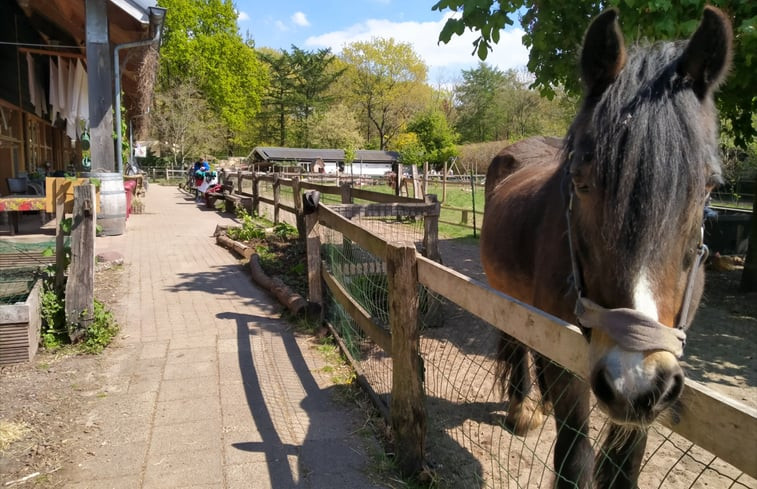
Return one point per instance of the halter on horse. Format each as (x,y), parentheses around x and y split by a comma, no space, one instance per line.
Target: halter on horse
(607,233)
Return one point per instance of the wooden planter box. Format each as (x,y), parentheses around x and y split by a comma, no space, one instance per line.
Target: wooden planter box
(20,328)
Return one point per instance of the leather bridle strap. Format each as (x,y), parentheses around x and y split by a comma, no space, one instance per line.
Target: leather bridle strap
(630,329)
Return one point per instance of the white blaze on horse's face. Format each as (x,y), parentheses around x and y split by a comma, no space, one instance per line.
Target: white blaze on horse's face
(643,296)
(629,384)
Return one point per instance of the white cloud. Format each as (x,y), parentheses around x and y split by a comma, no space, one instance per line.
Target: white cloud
(423,37)
(300,19)
(242,16)
(281,26)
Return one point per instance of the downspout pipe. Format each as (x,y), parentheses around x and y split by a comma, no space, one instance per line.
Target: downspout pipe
(157,15)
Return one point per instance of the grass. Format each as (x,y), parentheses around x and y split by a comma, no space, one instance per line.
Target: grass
(458,196)
(10,432)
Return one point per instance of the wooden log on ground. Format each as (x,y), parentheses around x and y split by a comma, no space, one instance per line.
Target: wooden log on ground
(291,300)
(229,243)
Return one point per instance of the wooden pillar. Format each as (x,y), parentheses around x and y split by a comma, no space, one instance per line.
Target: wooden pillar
(60,248)
(255,194)
(346,192)
(276,198)
(399,179)
(431,230)
(313,247)
(416,183)
(239,189)
(80,287)
(424,182)
(407,408)
(444,183)
(100,83)
(298,214)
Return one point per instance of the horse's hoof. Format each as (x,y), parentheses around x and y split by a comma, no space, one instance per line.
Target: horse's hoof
(524,417)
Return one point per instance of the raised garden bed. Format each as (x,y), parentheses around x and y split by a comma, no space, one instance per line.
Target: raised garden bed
(20,324)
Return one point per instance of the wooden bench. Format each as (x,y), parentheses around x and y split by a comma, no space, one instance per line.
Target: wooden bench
(233,201)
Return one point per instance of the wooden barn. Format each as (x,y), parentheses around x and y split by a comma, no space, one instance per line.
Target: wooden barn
(328,161)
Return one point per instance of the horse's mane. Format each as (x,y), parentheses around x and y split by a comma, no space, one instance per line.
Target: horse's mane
(654,151)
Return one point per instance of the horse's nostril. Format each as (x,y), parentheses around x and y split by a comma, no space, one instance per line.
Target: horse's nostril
(603,386)
(673,388)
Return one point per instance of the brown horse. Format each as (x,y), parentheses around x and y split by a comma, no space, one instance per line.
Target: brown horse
(606,233)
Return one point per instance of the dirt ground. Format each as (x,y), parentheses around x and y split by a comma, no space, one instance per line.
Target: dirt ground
(43,403)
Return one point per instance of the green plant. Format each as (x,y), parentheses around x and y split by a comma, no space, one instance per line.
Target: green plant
(284,230)
(249,230)
(101,331)
(54,334)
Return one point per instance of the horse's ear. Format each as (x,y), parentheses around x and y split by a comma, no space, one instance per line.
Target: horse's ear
(708,55)
(603,54)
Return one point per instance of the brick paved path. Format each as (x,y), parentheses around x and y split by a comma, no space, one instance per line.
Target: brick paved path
(208,387)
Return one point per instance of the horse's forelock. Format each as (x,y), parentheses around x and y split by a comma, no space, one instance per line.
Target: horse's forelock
(653,152)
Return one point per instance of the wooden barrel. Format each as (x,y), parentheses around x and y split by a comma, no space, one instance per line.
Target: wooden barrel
(112,214)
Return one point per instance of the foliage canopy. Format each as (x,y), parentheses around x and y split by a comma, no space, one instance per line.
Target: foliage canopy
(554,31)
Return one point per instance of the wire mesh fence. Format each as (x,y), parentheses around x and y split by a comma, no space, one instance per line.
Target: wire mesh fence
(470,439)
(19,267)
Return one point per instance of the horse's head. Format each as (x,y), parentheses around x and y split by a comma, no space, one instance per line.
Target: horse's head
(642,156)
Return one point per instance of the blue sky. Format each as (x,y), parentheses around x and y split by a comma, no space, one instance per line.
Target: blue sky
(312,25)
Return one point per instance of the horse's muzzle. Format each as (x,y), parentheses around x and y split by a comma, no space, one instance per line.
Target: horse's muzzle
(634,388)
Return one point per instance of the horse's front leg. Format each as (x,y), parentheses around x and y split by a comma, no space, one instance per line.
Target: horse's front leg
(523,412)
(619,462)
(573,455)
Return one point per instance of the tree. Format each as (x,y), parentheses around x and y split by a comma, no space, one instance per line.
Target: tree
(279,98)
(554,30)
(386,80)
(336,128)
(479,104)
(184,122)
(202,46)
(312,78)
(435,136)
(493,105)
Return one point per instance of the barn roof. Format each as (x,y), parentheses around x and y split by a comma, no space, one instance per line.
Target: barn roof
(275,154)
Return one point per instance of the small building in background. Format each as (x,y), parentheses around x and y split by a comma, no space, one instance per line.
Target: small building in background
(327,161)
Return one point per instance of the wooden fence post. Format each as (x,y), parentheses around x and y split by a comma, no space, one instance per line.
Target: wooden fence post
(298,214)
(255,195)
(60,248)
(345,190)
(431,230)
(276,198)
(399,179)
(424,182)
(313,246)
(416,182)
(444,183)
(407,408)
(80,288)
(239,182)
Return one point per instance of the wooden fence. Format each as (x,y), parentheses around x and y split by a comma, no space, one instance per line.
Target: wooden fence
(712,421)
(722,426)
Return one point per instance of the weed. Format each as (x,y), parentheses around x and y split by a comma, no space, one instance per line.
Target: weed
(54,332)
(250,229)
(99,333)
(284,230)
